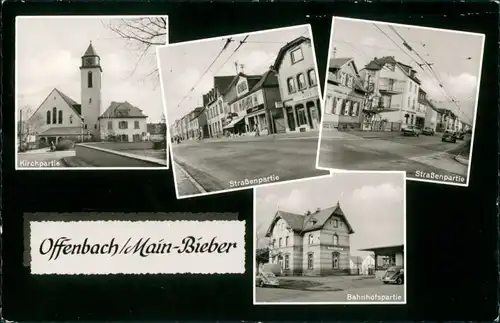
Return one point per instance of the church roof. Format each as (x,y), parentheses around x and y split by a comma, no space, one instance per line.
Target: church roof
(72,103)
(122,110)
(90,51)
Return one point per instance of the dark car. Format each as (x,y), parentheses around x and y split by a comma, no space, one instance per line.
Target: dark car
(394,275)
(428,131)
(449,136)
(264,279)
(460,135)
(411,131)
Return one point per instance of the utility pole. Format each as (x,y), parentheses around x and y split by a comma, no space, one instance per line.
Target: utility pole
(236,67)
(20,130)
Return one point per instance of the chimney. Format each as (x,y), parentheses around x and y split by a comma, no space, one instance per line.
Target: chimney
(334,54)
(242,68)
(236,66)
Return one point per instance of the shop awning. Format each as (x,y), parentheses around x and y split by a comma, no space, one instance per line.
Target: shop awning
(386,250)
(234,122)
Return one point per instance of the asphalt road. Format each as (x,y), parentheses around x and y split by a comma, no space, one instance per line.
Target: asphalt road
(222,165)
(42,158)
(420,157)
(362,291)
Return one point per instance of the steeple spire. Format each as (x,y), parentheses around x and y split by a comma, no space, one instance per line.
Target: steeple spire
(90,51)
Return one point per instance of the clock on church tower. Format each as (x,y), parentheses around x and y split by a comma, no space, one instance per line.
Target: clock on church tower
(90,59)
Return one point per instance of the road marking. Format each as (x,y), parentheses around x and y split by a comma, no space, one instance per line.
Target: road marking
(190,178)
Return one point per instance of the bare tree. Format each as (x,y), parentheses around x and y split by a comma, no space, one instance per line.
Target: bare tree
(142,35)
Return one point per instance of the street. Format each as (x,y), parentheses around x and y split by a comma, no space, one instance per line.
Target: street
(421,157)
(42,158)
(330,289)
(214,165)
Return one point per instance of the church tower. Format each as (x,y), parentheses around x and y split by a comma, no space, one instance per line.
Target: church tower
(90,82)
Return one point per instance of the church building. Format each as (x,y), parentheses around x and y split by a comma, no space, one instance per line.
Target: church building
(60,117)
(312,244)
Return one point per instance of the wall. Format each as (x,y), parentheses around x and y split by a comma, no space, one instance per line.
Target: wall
(102,157)
(120,146)
(399,259)
(38,121)
(116,131)
(287,70)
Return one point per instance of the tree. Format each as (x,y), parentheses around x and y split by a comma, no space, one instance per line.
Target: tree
(142,35)
(262,256)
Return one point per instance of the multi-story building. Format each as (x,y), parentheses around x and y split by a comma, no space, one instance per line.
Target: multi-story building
(123,122)
(193,124)
(300,94)
(422,104)
(200,119)
(315,243)
(432,116)
(253,107)
(214,105)
(394,93)
(345,96)
(185,127)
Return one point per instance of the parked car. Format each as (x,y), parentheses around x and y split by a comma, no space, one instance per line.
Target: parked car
(460,135)
(411,131)
(449,136)
(394,275)
(428,131)
(264,279)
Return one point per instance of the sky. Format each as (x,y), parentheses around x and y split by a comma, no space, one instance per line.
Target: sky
(49,51)
(372,202)
(447,51)
(183,65)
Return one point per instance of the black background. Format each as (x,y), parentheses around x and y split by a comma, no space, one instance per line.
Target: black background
(451,231)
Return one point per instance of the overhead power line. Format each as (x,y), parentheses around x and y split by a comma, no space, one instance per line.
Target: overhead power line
(224,47)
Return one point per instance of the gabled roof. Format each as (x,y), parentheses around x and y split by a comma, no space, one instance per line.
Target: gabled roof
(268,79)
(90,51)
(197,112)
(122,110)
(222,83)
(77,108)
(63,131)
(251,79)
(337,63)
(379,63)
(281,54)
(305,223)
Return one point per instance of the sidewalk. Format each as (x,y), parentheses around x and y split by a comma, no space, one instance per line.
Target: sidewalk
(251,138)
(346,135)
(75,162)
(36,151)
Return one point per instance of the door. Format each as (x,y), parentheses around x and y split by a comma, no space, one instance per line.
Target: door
(291,119)
(279,125)
(313,116)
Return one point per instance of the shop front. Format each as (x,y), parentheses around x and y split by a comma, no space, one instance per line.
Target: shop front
(235,125)
(256,120)
(303,112)
(386,257)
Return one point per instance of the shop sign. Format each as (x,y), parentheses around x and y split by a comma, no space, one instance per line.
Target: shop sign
(278,104)
(255,109)
(335,248)
(306,94)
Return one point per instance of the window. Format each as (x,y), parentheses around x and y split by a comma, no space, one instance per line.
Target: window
(411,118)
(335,239)
(335,260)
(136,137)
(301,114)
(279,243)
(136,124)
(95,126)
(413,103)
(255,100)
(291,85)
(347,108)
(242,87)
(48,117)
(71,119)
(89,79)
(123,125)
(338,106)
(350,80)
(342,78)
(286,242)
(54,115)
(296,55)
(60,117)
(220,108)
(110,125)
(311,239)
(311,75)
(301,81)
(85,126)
(287,261)
(90,100)
(408,103)
(355,108)
(391,66)
(274,243)
(310,260)
(411,86)
(335,223)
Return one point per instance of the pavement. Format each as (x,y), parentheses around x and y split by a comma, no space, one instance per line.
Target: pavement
(332,289)
(43,158)
(222,164)
(424,157)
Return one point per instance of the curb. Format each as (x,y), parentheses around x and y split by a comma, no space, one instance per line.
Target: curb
(462,160)
(70,162)
(190,178)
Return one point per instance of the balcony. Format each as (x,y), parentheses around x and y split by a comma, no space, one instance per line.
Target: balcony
(390,89)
